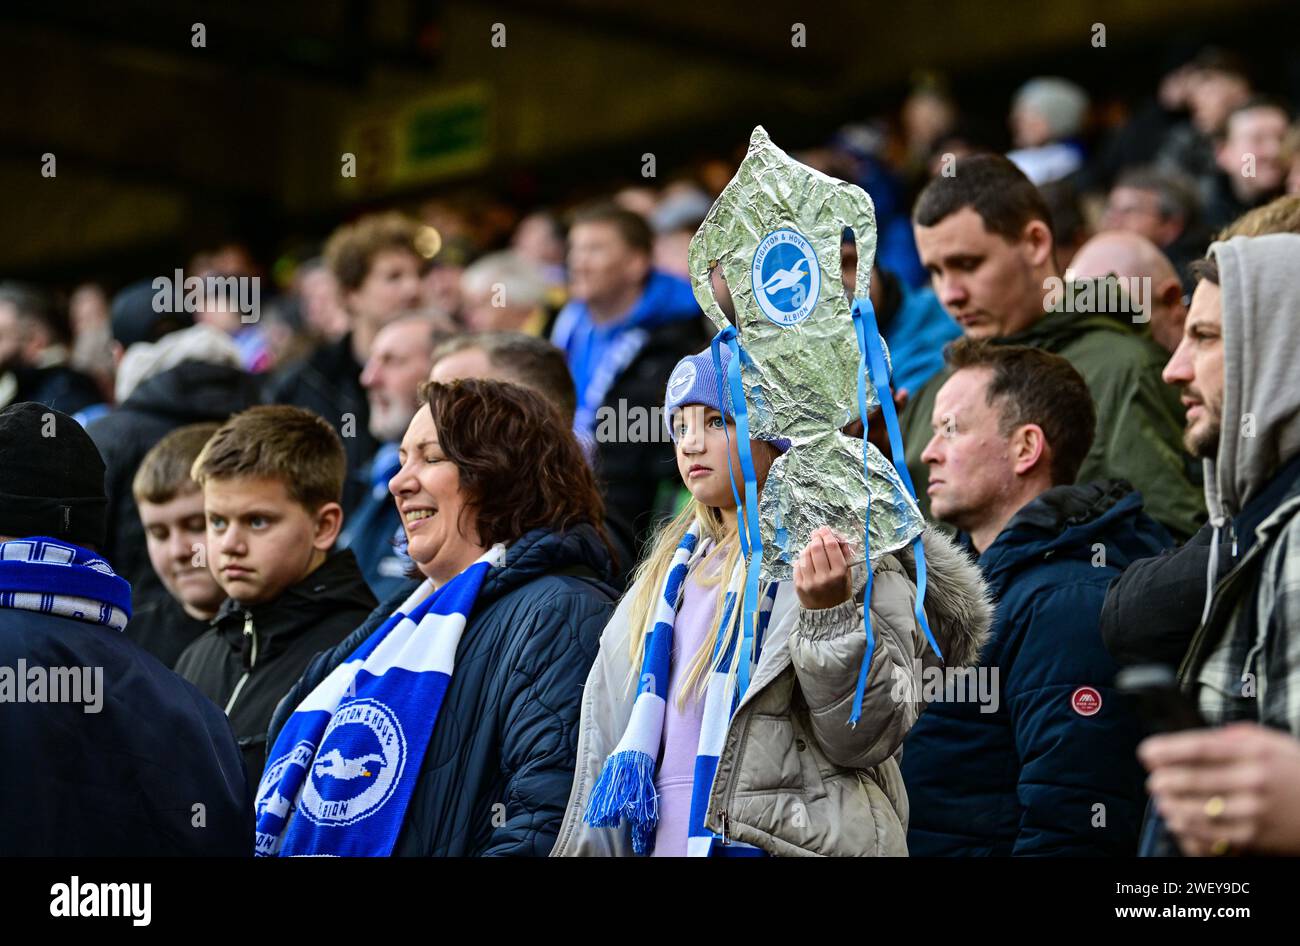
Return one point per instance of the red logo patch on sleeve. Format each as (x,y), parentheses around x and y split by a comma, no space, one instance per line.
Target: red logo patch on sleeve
(1086,701)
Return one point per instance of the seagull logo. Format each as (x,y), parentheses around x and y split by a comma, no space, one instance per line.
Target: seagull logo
(358,766)
(786,278)
(334,765)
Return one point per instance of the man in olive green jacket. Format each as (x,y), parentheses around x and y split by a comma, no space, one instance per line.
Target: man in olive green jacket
(984,235)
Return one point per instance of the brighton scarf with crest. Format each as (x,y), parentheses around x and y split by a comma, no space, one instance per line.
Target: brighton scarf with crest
(52,577)
(625,787)
(343,768)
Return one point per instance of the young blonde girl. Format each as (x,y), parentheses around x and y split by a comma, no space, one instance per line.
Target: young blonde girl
(690,765)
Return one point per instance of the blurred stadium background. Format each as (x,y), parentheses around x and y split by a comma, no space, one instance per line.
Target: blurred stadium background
(163,149)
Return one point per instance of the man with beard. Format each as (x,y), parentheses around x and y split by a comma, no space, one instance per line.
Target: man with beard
(399,360)
(1152,609)
(1230,789)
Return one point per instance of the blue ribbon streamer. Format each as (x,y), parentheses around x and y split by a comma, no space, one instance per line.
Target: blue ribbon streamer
(872,360)
(871,363)
(715,348)
(753,548)
(860,690)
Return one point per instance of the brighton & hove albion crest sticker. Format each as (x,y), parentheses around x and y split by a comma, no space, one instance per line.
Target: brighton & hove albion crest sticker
(357,766)
(681,382)
(786,278)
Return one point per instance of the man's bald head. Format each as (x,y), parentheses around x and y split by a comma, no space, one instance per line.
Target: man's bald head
(1121,253)
(1130,255)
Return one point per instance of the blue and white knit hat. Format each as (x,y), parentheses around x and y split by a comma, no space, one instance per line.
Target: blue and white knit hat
(694,381)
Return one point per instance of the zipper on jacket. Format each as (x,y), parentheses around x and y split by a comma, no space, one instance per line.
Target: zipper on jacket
(730,791)
(1191,659)
(1221,588)
(1220,591)
(249,632)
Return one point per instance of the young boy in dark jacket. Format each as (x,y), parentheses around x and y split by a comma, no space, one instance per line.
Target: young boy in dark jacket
(167,620)
(272,478)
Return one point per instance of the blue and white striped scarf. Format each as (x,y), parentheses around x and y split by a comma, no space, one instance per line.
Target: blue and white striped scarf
(53,577)
(625,787)
(343,768)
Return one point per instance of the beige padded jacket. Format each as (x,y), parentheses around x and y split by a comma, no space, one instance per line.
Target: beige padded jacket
(793,777)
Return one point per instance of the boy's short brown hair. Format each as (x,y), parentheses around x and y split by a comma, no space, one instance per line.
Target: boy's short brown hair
(295,446)
(352,248)
(164,473)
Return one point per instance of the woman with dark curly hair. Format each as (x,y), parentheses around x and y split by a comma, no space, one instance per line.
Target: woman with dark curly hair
(446,725)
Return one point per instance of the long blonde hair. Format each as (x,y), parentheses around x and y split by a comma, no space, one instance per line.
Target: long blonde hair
(650,575)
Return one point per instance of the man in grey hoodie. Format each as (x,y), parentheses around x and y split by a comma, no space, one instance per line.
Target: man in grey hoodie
(1238,788)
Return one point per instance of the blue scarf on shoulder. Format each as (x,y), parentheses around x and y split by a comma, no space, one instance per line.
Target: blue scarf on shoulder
(53,577)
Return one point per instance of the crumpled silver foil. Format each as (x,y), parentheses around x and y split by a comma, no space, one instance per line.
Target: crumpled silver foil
(767,226)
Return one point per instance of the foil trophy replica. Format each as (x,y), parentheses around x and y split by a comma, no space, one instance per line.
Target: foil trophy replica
(804,365)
